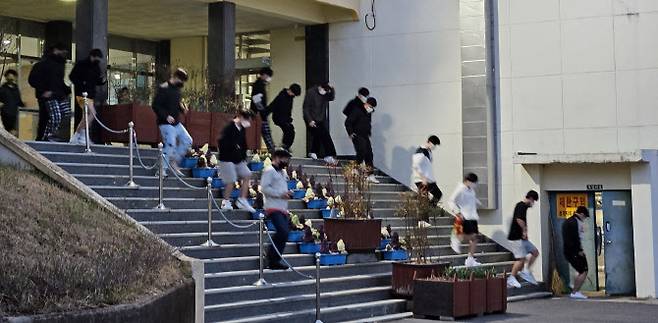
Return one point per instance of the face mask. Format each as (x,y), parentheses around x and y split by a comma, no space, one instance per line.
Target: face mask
(11,80)
(245,123)
(284,164)
(268,79)
(472,185)
(322,91)
(363,98)
(370,110)
(178,84)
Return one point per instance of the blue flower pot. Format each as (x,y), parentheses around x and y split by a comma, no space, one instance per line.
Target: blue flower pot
(235,193)
(295,236)
(317,204)
(256,215)
(333,260)
(255,166)
(310,248)
(292,184)
(326,213)
(217,183)
(189,162)
(383,243)
(395,255)
(203,172)
(298,194)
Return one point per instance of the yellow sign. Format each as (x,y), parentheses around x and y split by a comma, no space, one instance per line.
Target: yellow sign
(568,203)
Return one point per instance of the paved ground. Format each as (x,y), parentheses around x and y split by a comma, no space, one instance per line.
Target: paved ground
(563,310)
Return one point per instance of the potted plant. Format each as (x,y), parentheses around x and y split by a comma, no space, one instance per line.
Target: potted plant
(496,292)
(355,226)
(314,197)
(296,233)
(444,296)
(415,210)
(331,254)
(395,250)
(478,294)
(311,242)
(191,158)
(206,164)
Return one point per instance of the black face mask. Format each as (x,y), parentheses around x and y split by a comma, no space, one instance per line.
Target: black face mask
(178,84)
(281,165)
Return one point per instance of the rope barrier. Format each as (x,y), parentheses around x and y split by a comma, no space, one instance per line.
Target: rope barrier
(229,221)
(139,156)
(178,176)
(107,128)
(269,236)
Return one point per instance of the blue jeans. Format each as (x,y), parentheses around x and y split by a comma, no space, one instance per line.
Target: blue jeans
(281,223)
(176,141)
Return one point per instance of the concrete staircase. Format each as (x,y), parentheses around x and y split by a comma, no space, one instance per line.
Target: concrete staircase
(353,292)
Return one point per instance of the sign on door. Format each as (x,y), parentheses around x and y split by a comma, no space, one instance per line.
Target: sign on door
(567,203)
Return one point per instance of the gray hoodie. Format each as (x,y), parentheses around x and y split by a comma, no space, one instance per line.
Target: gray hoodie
(315,105)
(274,184)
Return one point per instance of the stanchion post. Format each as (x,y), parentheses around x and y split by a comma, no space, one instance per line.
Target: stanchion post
(261,265)
(131,144)
(317,288)
(86,116)
(210,242)
(161,167)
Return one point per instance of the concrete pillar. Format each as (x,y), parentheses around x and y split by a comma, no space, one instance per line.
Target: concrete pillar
(90,33)
(644,193)
(317,62)
(221,49)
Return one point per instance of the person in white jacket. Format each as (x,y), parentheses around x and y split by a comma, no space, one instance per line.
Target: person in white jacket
(274,186)
(464,203)
(421,166)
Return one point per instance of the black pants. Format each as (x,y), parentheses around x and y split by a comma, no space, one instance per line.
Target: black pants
(9,121)
(322,145)
(363,149)
(280,222)
(43,120)
(288,134)
(431,188)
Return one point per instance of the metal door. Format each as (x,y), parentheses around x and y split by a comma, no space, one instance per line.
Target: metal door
(618,243)
(559,212)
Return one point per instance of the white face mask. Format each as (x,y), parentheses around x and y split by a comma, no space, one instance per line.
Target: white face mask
(472,185)
(268,79)
(322,91)
(363,98)
(370,110)
(245,123)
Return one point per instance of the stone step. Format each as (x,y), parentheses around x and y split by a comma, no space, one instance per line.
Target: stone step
(241,263)
(230,294)
(332,314)
(243,308)
(247,277)
(202,214)
(126,203)
(384,318)
(152,181)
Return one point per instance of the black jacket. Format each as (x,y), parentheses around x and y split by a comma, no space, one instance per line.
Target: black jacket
(167,103)
(48,75)
(233,144)
(571,237)
(86,76)
(316,105)
(281,108)
(359,123)
(352,105)
(10,96)
(259,87)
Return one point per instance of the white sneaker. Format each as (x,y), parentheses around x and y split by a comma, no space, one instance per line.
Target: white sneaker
(471,262)
(330,160)
(372,179)
(313,156)
(243,204)
(226,205)
(455,244)
(423,224)
(527,276)
(513,282)
(577,295)
(78,138)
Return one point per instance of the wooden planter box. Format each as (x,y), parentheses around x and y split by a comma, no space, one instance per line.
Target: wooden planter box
(496,295)
(478,296)
(358,235)
(404,274)
(442,299)
(204,127)
(117,117)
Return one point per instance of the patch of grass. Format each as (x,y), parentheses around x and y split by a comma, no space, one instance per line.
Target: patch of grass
(59,252)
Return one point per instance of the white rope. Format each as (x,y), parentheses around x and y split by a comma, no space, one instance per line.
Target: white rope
(284,259)
(139,157)
(180,179)
(107,128)
(229,221)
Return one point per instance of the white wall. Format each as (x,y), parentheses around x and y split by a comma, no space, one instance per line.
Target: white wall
(411,64)
(288,62)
